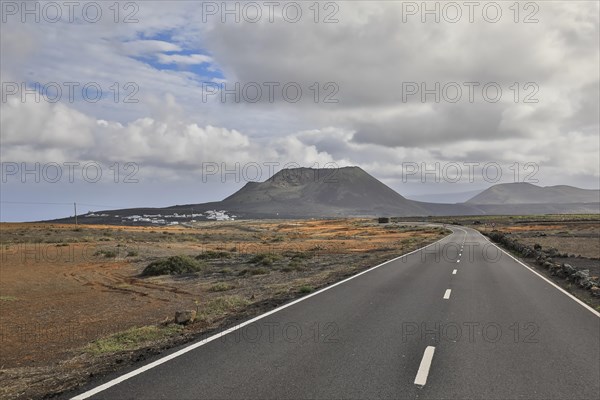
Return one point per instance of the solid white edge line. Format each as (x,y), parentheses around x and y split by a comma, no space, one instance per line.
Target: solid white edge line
(423,372)
(447,294)
(454,272)
(596,313)
(193,346)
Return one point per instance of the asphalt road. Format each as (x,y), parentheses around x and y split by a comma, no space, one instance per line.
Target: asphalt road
(440,323)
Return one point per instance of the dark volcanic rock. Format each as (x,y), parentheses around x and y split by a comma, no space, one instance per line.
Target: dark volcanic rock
(579,276)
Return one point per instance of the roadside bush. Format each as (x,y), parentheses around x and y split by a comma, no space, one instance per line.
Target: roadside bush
(131,339)
(306,289)
(175,265)
(264,258)
(220,307)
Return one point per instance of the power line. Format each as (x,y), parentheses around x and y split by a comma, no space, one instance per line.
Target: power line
(56,204)
(34,202)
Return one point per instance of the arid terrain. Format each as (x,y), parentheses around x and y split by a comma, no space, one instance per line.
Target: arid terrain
(74,302)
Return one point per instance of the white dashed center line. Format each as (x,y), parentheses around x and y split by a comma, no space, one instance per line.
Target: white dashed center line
(423,372)
(447,294)
(457,260)
(454,272)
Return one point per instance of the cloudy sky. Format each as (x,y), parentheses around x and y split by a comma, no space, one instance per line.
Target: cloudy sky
(178,102)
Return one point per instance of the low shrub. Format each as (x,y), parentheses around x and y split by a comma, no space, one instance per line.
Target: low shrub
(131,339)
(306,289)
(175,265)
(220,307)
(106,253)
(264,258)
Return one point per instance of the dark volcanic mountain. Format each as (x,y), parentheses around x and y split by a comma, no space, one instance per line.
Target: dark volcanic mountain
(527,193)
(319,192)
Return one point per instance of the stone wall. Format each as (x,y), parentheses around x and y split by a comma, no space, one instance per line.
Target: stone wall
(544,258)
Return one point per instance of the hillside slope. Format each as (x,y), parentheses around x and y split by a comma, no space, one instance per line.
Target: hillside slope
(321,192)
(527,193)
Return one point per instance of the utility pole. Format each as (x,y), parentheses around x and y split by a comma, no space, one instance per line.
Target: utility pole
(75,207)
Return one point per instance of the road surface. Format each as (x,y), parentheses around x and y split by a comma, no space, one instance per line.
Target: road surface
(458,319)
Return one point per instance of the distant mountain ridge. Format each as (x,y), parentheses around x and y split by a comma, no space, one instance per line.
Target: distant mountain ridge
(444,198)
(352,192)
(527,193)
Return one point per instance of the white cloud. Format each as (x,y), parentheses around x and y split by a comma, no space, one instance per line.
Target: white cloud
(148,47)
(369,54)
(42,132)
(192,59)
(43,126)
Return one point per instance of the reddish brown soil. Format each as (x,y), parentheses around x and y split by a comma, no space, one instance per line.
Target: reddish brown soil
(60,292)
